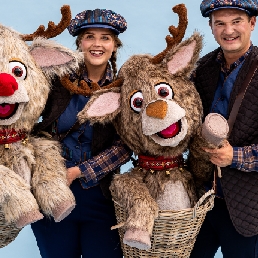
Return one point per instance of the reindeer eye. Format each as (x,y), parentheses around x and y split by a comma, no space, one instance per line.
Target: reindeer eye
(164,90)
(136,101)
(18,69)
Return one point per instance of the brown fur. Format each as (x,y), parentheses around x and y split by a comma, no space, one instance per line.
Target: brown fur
(32,171)
(146,187)
(212,135)
(141,191)
(199,162)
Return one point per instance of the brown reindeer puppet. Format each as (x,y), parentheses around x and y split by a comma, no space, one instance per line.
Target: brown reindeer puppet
(156,111)
(32,171)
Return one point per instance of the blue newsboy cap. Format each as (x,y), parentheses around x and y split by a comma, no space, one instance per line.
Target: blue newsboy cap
(249,6)
(98,18)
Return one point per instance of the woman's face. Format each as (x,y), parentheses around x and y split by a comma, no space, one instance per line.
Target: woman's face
(97,45)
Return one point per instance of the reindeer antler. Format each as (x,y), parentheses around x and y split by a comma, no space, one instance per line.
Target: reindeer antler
(52,30)
(84,88)
(178,33)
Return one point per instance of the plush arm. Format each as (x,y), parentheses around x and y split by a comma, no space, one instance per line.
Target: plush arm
(199,161)
(212,135)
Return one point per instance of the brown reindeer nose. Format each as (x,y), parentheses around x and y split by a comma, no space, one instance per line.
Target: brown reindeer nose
(157,109)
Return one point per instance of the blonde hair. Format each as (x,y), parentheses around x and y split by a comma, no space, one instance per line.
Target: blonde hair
(113,58)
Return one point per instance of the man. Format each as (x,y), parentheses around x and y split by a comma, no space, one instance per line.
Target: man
(233,222)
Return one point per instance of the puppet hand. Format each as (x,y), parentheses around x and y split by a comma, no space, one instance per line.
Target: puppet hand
(72,173)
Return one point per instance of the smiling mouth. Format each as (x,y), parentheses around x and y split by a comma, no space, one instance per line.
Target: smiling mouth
(170,131)
(231,38)
(8,110)
(96,53)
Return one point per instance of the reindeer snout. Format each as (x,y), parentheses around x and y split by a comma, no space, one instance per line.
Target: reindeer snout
(8,84)
(157,109)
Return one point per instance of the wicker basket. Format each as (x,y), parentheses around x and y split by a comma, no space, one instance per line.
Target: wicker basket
(174,232)
(8,232)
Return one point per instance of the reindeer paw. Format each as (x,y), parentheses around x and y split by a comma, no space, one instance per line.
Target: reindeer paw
(28,218)
(137,238)
(63,210)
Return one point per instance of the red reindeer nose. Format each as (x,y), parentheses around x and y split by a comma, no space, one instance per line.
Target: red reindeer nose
(8,84)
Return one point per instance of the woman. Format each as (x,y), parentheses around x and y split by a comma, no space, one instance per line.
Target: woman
(92,153)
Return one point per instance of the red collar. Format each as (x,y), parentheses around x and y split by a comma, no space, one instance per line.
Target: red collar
(10,135)
(160,163)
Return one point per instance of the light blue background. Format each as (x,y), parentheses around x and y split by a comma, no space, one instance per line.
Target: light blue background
(148,22)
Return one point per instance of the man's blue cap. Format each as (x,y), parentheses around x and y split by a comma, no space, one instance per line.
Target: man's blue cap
(249,6)
(98,18)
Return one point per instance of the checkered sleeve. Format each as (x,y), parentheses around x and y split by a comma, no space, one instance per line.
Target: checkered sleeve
(245,158)
(100,165)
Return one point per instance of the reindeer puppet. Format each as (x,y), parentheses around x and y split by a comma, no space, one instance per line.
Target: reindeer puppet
(32,171)
(156,111)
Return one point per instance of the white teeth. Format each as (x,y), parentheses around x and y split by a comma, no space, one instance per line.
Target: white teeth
(96,52)
(230,38)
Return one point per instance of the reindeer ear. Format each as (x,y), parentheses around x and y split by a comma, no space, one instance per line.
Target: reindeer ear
(103,106)
(183,57)
(53,58)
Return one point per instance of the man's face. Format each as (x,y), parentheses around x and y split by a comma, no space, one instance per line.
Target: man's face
(232,30)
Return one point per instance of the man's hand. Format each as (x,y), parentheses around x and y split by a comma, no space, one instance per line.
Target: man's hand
(221,157)
(72,173)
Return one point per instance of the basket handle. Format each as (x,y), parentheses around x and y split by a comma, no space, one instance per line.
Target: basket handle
(201,200)
(204,197)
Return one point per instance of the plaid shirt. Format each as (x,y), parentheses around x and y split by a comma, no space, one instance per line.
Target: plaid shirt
(220,59)
(245,158)
(109,160)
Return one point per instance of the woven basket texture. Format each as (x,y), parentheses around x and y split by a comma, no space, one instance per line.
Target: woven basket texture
(8,232)
(174,232)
